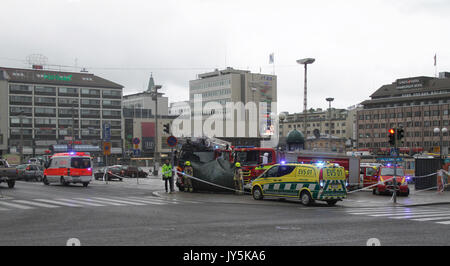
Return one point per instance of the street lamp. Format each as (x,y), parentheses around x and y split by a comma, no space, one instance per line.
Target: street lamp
(155,98)
(441,131)
(305,62)
(329,100)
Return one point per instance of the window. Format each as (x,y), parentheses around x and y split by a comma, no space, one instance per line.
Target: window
(15,88)
(68,91)
(45,90)
(285,170)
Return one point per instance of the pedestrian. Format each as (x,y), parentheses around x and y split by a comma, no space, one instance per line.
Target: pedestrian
(167,176)
(188,170)
(238,178)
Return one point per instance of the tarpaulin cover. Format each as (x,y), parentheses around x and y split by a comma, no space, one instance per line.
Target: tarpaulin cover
(218,171)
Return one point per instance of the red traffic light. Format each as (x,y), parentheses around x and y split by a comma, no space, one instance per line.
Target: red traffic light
(391,131)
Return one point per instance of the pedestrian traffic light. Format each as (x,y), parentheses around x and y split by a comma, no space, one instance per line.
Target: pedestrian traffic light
(392,136)
(166,128)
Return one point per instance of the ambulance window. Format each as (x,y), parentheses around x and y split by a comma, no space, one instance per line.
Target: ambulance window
(272,172)
(80,163)
(285,170)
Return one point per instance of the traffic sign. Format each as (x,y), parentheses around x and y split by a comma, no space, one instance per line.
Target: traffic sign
(172,141)
(394,152)
(107,148)
(136,141)
(136,152)
(106,131)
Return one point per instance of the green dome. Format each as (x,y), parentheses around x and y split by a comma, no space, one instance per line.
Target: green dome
(295,137)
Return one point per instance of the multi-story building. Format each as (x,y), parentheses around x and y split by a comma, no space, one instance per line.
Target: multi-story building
(236,86)
(43,108)
(179,108)
(335,122)
(418,104)
(140,123)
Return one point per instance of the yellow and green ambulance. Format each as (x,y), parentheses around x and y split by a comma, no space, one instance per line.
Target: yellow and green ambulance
(307,182)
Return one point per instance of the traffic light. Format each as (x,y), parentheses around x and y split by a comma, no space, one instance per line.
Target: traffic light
(400,134)
(392,136)
(166,128)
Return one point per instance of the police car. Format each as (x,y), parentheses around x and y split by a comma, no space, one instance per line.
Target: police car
(307,182)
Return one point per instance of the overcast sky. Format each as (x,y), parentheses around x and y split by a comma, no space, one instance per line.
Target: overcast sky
(358,45)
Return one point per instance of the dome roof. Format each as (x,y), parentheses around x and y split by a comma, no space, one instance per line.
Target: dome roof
(295,136)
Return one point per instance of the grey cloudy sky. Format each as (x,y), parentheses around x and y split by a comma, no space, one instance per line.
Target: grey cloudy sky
(358,45)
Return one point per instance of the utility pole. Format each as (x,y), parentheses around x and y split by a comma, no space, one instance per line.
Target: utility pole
(156,152)
(21,135)
(395,166)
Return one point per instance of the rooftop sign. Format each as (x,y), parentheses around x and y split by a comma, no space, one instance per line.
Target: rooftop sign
(57,77)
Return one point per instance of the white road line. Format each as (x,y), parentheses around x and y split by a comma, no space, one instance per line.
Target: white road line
(173,200)
(387,213)
(59,203)
(432,219)
(3,209)
(17,206)
(36,204)
(421,215)
(411,214)
(154,200)
(100,201)
(120,201)
(147,201)
(81,202)
(446,222)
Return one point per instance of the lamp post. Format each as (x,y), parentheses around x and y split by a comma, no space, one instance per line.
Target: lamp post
(21,134)
(305,62)
(329,100)
(441,131)
(155,98)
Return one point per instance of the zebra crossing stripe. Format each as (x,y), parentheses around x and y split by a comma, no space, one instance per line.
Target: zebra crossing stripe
(421,215)
(59,203)
(100,201)
(3,209)
(170,201)
(388,213)
(120,201)
(81,202)
(36,204)
(410,213)
(431,219)
(147,201)
(446,222)
(17,206)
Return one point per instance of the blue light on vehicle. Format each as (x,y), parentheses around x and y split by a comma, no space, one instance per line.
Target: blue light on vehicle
(72,153)
(320,164)
(389,165)
(283,162)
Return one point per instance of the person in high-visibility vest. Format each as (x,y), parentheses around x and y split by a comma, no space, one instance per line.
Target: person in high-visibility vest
(238,178)
(167,175)
(188,170)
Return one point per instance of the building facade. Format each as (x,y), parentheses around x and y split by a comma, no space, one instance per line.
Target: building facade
(417,104)
(235,86)
(40,108)
(339,123)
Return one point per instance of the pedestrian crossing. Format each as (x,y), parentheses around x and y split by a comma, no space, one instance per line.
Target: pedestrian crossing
(82,202)
(435,215)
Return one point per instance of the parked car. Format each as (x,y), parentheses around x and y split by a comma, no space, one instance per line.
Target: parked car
(112,172)
(133,171)
(8,173)
(30,172)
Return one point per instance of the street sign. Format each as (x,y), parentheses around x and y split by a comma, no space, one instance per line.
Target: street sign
(394,152)
(136,152)
(136,141)
(106,132)
(107,148)
(172,141)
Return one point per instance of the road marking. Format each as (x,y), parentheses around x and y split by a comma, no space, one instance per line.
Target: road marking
(101,202)
(120,201)
(3,209)
(403,213)
(154,200)
(446,222)
(36,204)
(81,202)
(59,203)
(421,215)
(13,205)
(431,219)
(147,201)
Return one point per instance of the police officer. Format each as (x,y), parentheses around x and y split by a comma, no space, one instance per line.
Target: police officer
(186,179)
(167,175)
(238,178)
